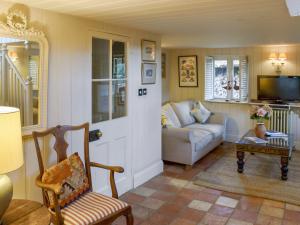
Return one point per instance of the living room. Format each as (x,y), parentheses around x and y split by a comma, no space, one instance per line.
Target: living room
(84,133)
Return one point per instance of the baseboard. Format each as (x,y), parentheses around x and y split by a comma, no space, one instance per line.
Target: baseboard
(148,173)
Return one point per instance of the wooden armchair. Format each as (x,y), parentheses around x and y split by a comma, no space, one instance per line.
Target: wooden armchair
(90,207)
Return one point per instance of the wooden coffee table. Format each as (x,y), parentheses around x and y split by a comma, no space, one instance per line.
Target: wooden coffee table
(282,147)
(26,212)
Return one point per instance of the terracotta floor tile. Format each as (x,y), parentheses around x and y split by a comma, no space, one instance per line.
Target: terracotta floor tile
(271,211)
(164,196)
(200,205)
(246,216)
(192,186)
(210,219)
(231,195)
(181,221)
(170,188)
(192,214)
(288,222)
(292,207)
(272,203)
(203,196)
(250,204)
(221,210)
(292,216)
(212,191)
(141,212)
(159,218)
(178,182)
(143,191)
(152,203)
(238,222)
(269,220)
(132,198)
(226,201)
(170,209)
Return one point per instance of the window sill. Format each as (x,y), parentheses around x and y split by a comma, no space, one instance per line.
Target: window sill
(227,101)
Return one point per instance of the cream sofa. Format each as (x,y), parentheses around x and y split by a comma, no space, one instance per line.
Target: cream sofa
(183,139)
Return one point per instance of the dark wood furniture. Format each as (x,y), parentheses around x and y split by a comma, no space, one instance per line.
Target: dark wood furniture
(27,212)
(279,146)
(60,147)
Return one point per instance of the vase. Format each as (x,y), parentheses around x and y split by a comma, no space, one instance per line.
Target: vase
(260,130)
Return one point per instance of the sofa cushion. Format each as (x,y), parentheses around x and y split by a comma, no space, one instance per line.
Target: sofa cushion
(169,116)
(183,111)
(200,113)
(200,137)
(216,130)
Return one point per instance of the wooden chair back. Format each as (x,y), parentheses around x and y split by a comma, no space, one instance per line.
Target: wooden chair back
(61,147)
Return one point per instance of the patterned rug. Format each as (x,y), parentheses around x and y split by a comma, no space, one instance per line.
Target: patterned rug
(261,177)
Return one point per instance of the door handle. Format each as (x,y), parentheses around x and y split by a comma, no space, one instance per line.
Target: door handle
(95,135)
(99,134)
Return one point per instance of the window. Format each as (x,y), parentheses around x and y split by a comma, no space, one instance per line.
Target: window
(226,78)
(109,80)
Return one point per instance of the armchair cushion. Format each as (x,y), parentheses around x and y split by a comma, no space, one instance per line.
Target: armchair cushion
(89,208)
(200,113)
(70,174)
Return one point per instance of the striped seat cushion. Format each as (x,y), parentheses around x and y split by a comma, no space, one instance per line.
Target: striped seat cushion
(89,208)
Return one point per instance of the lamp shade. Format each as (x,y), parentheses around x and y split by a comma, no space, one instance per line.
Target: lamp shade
(273,56)
(11,148)
(282,56)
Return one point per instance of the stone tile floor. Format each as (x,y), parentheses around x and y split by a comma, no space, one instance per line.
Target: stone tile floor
(172,198)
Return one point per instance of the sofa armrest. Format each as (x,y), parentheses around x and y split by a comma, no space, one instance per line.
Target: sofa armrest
(218,118)
(182,134)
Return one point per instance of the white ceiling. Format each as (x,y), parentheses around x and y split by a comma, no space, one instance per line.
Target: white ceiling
(191,23)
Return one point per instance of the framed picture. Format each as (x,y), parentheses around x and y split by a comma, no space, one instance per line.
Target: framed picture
(148,73)
(188,71)
(163,65)
(148,50)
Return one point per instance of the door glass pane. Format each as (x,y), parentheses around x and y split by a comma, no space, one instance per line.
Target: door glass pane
(236,79)
(220,79)
(100,58)
(118,60)
(100,104)
(119,99)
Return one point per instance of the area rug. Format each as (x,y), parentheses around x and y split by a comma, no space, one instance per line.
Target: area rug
(261,177)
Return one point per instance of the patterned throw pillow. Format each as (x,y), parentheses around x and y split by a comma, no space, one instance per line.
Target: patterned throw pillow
(70,174)
(200,113)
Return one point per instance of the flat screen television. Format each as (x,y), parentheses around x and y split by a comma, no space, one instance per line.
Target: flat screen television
(278,88)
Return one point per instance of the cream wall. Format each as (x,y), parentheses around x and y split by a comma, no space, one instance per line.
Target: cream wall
(68,94)
(259,64)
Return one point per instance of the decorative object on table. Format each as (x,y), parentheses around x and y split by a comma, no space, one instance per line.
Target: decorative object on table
(148,73)
(11,152)
(148,50)
(102,209)
(188,71)
(163,66)
(260,114)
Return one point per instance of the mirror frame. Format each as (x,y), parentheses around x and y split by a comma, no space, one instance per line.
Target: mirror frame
(17,25)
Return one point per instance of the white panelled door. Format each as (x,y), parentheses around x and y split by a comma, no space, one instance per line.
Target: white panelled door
(109,110)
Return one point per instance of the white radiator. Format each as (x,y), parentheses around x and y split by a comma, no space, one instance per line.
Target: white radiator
(280,120)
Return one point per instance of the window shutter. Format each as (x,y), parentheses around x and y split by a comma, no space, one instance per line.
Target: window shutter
(244,78)
(209,72)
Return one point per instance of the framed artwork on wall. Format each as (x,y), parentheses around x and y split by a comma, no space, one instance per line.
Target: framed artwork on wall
(148,50)
(163,65)
(188,71)
(148,73)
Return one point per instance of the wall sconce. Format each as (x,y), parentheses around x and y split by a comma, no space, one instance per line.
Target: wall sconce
(13,55)
(278,61)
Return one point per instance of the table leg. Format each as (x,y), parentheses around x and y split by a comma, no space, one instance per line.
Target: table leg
(240,155)
(284,167)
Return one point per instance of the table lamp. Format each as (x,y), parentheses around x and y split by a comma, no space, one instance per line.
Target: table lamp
(11,152)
